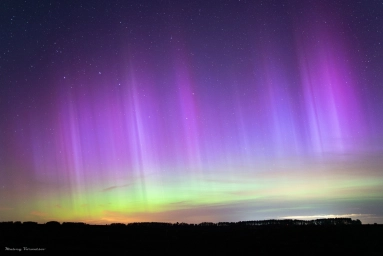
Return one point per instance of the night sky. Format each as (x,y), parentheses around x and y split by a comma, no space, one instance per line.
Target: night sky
(191,111)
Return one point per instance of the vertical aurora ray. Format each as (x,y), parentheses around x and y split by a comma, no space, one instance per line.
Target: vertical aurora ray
(332,107)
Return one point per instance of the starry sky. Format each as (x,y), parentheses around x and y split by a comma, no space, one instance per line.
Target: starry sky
(191,111)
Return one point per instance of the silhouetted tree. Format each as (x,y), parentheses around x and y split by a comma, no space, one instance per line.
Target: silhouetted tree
(53,223)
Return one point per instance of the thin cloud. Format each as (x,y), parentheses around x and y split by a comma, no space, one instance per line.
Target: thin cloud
(181,203)
(6,208)
(39,214)
(114,187)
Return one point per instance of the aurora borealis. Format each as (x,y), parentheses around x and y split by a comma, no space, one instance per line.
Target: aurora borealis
(191,111)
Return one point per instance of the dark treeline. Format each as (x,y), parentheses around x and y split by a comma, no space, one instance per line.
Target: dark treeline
(266,237)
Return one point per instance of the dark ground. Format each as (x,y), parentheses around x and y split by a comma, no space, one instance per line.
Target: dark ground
(192,240)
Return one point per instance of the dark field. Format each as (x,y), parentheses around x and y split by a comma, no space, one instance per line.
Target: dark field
(182,239)
(192,239)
